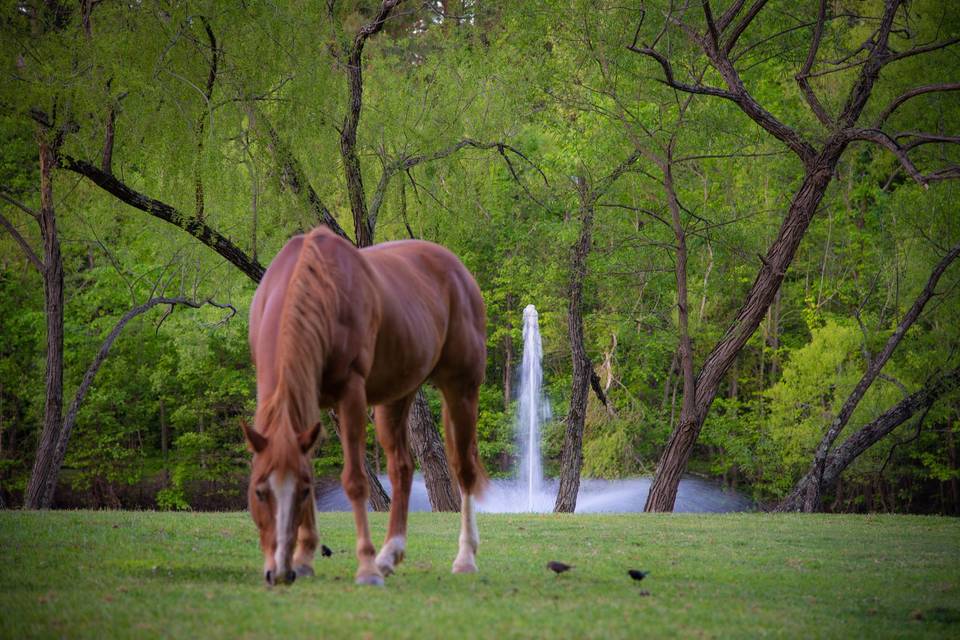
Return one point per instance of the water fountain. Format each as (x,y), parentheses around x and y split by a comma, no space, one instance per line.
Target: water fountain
(529,491)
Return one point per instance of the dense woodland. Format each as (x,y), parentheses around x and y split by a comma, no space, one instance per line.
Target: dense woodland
(736,219)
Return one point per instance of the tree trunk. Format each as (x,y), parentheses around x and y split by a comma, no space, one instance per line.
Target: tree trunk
(429,452)
(572,459)
(866,437)
(164,431)
(39,494)
(682,439)
(812,480)
(673,461)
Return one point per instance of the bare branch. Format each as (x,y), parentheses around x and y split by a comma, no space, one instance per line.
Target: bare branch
(917,91)
(363,227)
(102,353)
(742,25)
(711,25)
(197,228)
(19,205)
(291,172)
(727,17)
(27,249)
(873,369)
(863,86)
(802,77)
(670,81)
(919,50)
(881,138)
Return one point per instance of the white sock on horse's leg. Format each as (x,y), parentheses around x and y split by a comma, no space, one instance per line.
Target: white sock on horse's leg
(466,560)
(391,554)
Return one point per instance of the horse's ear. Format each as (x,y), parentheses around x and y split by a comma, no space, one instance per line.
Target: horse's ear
(309,437)
(255,441)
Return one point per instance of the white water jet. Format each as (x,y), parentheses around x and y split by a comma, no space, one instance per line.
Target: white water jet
(533,409)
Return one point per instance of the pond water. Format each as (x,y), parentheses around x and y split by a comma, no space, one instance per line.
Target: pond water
(695,495)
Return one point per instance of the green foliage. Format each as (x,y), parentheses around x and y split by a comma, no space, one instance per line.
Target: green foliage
(556,82)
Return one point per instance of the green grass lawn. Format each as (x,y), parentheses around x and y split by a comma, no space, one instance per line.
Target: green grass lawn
(143,574)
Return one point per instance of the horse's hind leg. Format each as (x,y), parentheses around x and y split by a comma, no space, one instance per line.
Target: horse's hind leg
(391,422)
(353,420)
(460,425)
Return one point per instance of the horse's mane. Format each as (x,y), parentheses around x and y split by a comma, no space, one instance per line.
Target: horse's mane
(307,319)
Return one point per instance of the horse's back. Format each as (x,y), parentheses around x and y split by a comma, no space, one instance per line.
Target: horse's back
(431,301)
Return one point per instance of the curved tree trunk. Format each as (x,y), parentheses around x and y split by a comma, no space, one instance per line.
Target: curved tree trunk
(868,435)
(43,479)
(572,459)
(673,461)
(429,452)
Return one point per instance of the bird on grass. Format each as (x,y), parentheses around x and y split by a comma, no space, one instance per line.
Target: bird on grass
(637,575)
(325,551)
(558,567)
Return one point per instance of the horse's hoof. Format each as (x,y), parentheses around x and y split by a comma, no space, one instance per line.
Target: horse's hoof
(463,567)
(387,562)
(374,580)
(304,570)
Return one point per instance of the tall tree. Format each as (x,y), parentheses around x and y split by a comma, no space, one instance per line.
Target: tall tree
(807,495)
(717,40)
(571,461)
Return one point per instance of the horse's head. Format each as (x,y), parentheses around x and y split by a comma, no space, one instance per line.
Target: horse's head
(281,488)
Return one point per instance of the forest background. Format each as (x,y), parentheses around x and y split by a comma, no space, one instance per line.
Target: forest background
(632,169)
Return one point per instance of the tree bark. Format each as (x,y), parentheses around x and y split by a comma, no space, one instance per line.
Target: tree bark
(43,478)
(428,449)
(676,455)
(571,460)
(197,228)
(362,225)
(670,468)
(844,455)
(812,480)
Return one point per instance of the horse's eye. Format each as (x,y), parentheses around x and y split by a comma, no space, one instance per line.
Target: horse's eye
(261,495)
(305,493)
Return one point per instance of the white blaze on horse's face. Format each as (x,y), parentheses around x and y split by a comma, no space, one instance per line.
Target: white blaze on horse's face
(284,490)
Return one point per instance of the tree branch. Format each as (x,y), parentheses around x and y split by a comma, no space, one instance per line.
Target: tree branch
(197,228)
(671,82)
(917,91)
(918,50)
(863,87)
(27,249)
(94,367)
(742,26)
(871,433)
(291,172)
(814,489)
(803,76)
(884,140)
(363,228)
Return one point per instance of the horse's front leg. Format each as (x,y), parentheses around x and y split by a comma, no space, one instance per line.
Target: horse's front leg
(306,541)
(353,420)
(391,422)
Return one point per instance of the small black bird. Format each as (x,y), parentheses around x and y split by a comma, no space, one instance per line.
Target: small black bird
(558,567)
(325,551)
(637,575)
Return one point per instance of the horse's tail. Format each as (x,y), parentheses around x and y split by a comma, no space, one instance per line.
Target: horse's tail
(306,320)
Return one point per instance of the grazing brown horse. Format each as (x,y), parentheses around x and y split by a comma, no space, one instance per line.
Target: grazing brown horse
(333,326)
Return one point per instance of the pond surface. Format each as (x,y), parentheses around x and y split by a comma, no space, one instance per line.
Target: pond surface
(695,495)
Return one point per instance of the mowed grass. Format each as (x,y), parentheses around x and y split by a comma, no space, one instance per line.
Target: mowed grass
(143,574)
